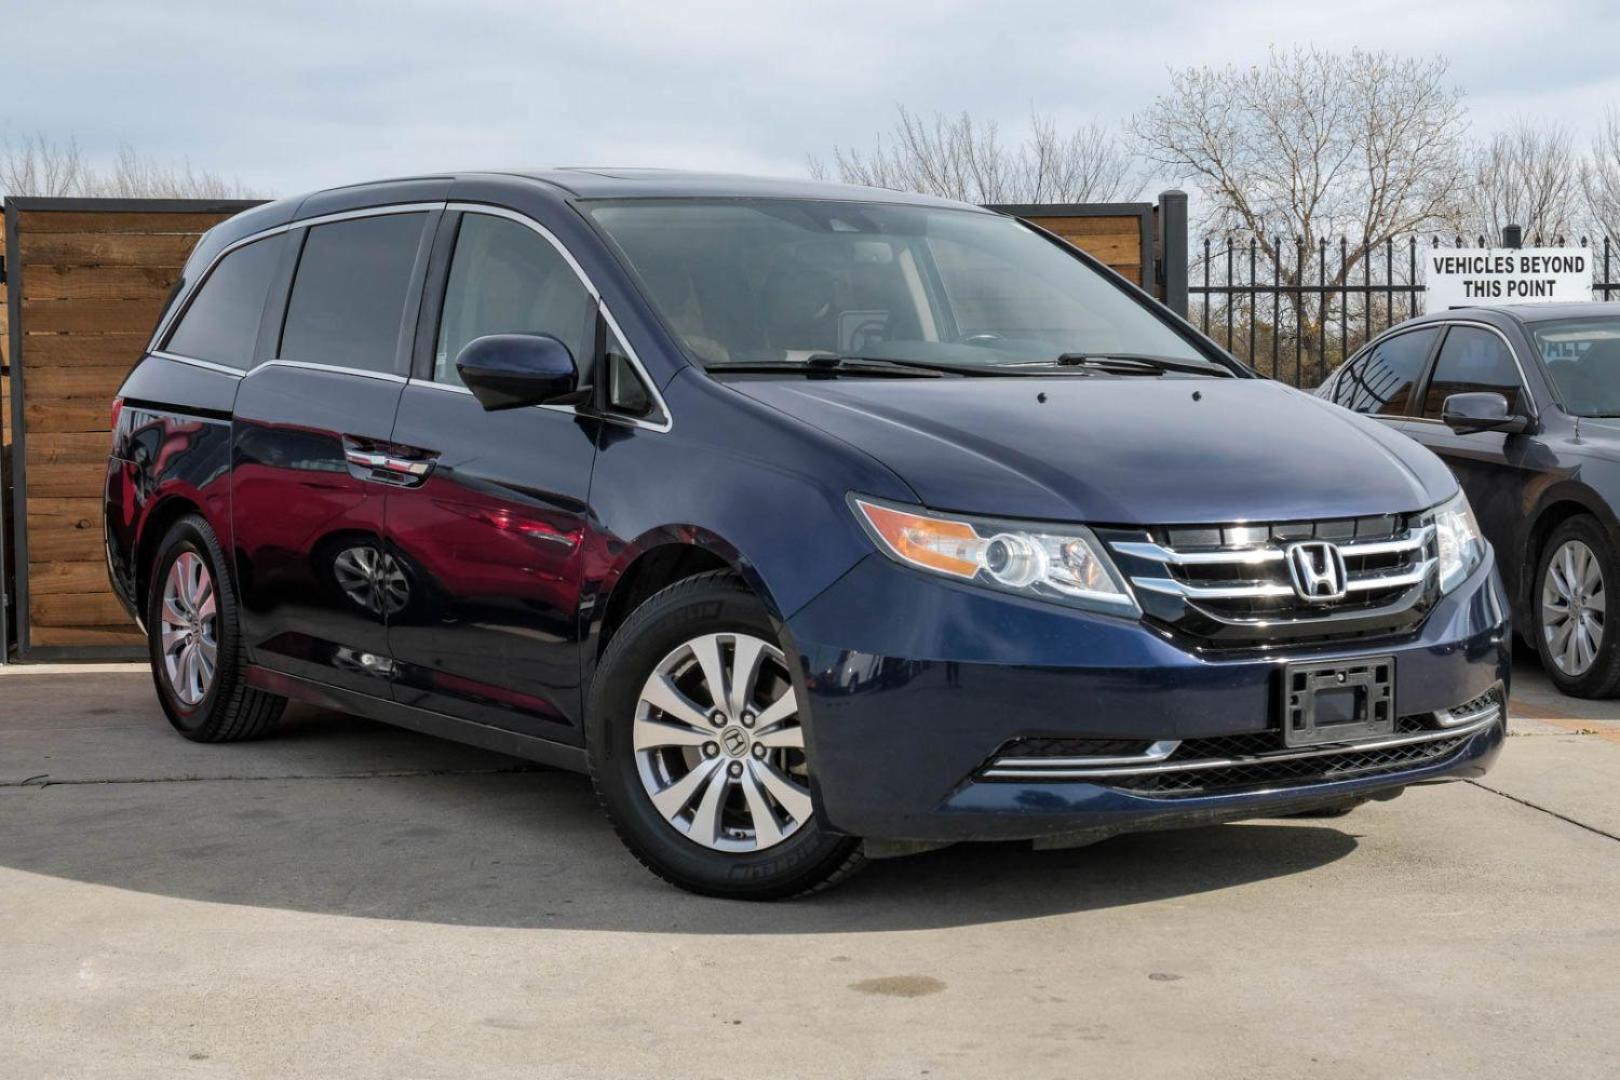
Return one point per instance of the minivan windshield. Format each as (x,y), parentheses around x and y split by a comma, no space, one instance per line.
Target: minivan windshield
(748,282)
(1583,358)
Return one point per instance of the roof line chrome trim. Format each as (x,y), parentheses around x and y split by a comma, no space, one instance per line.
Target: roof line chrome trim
(998,771)
(307,365)
(207,365)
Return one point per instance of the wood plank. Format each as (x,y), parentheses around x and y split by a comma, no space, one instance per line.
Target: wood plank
(52,578)
(75,609)
(75,480)
(53,448)
(115,221)
(103,249)
(48,282)
(53,636)
(1110,249)
(91,316)
(64,529)
(90,380)
(47,350)
(66,414)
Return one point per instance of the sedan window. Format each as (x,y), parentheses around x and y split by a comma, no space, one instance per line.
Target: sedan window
(1583,359)
(1380,381)
(1472,360)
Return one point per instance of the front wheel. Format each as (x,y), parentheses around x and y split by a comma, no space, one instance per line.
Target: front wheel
(1571,610)
(697,748)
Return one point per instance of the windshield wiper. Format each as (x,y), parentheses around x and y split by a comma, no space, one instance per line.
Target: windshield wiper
(1140,364)
(827,364)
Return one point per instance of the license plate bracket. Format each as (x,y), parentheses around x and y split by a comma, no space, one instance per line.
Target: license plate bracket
(1338,701)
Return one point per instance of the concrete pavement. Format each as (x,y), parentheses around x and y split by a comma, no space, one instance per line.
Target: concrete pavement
(351,900)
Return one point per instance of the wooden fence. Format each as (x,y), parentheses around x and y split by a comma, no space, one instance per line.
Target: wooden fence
(86,279)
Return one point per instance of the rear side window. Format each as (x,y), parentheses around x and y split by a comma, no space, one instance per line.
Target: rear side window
(507,279)
(1379,383)
(1472,360)
(221,323)
(349,295)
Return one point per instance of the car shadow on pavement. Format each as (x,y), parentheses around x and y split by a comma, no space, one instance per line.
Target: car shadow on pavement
(376,832)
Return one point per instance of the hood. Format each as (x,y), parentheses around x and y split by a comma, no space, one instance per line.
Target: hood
(1122,451)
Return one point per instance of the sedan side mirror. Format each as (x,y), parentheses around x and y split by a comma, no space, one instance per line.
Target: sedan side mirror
(1469,413)
(510,371)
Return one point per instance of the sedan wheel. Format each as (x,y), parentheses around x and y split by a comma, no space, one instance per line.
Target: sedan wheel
(1573,607)
(718,744)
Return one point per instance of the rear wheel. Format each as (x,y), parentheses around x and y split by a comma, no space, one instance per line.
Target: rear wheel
(195,646)
(697,748)
(1578,652)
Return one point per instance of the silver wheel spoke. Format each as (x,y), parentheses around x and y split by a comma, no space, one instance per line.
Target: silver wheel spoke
(707,652)
(766,831)
(661,693)
(650,734)
(788,737)
(794,799)
(706,818)
(746,653)
(674,799)
(779,710)
(1596,602)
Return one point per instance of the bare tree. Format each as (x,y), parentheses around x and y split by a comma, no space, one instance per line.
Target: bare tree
(36,165)
(1600,177)
(1527,175)
(963,158)
(1313,145)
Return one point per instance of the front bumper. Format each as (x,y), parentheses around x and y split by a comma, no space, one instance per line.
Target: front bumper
(913,684)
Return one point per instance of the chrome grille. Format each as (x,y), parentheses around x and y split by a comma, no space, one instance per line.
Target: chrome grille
(1231,585)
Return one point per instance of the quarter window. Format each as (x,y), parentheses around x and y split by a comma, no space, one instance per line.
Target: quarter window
(222,321)
(1472,360)
(507,279)
(1379,383)
(349,296)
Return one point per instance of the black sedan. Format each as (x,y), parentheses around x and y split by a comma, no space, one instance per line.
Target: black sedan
(1524,404)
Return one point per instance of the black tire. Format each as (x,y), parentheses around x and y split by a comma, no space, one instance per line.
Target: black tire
(230,710)
(808,860)
(1602,678)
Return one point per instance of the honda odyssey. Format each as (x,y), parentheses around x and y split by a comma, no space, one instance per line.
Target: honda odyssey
(816,523)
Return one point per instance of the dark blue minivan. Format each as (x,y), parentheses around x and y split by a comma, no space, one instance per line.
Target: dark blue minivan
(817,523)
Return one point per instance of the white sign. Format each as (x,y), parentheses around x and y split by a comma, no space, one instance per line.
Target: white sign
(1473,277)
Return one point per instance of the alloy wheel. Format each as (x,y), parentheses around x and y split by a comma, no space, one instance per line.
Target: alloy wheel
(719,746)
(1573,606)
(190,637)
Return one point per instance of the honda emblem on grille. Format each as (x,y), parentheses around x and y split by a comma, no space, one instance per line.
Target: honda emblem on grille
(1317,569)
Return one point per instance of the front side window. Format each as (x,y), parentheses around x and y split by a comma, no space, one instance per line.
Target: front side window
(222,321)
(748,281)
(1583,359)
(1472,360)
(507,279)
(1379,383)
(349,295)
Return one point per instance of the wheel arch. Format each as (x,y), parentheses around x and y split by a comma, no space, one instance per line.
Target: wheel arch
(159,520)
(1557,505)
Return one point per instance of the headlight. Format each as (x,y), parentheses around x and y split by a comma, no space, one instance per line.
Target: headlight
(1063,563)
(1457,536)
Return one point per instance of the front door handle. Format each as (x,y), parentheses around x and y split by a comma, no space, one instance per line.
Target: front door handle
(386,463)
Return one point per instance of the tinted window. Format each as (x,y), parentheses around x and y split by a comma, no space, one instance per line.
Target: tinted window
(1380,381)
(222,322)
(348,297)
(506,278)
(1583,358)
(1472,360)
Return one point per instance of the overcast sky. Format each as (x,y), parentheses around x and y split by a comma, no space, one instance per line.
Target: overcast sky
(296,94)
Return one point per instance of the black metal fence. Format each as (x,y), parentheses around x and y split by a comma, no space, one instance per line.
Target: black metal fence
(1295,312)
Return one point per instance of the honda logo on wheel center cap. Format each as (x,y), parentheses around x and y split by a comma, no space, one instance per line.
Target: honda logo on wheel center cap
(735,741)
(1317,570)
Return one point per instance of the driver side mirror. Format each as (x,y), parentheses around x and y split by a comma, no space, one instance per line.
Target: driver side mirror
(510,371)
(1469,413)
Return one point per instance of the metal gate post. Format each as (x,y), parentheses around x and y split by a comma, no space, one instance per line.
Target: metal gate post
(1173,250)
(1512,236)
